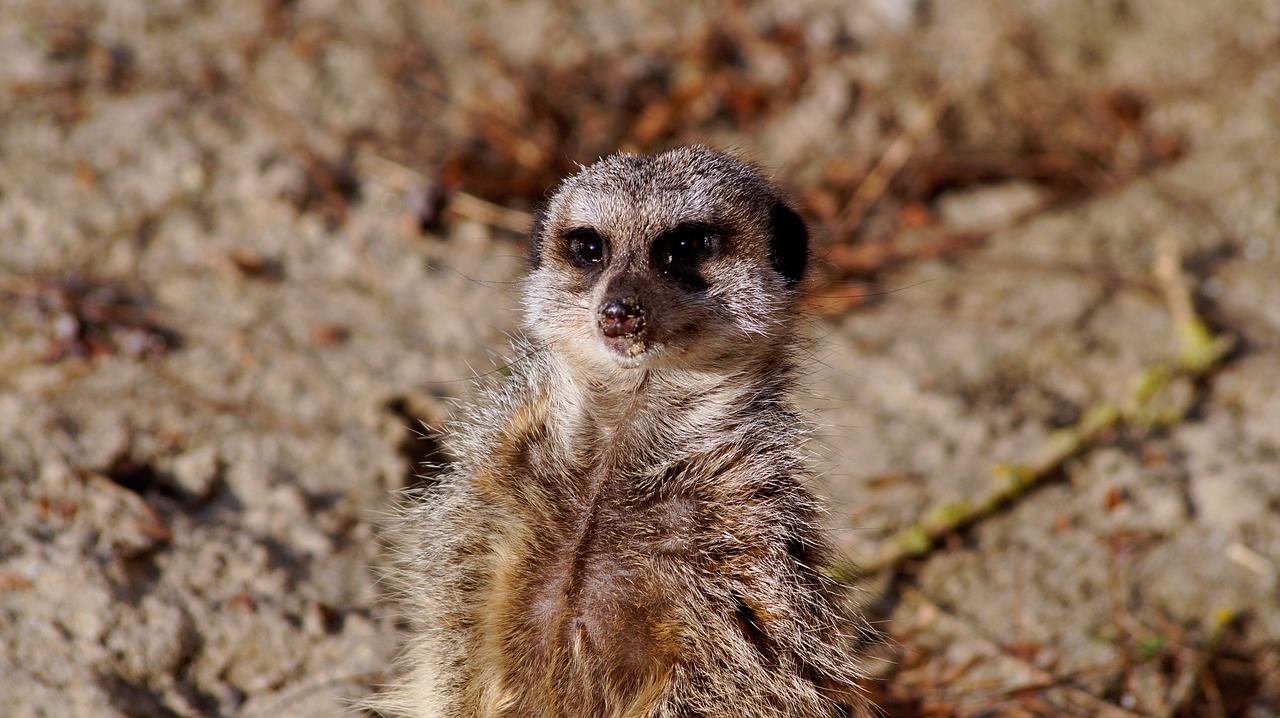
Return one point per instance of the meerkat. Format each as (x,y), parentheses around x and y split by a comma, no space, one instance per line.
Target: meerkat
(625,532)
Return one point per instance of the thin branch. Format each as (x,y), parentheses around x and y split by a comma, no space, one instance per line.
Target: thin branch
(1152,404)
(1042,680)
(1184,690)
(900,150)
(461,204)
(471,207)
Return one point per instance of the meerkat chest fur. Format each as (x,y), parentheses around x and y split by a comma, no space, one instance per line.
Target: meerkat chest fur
(619,516)
(626,532)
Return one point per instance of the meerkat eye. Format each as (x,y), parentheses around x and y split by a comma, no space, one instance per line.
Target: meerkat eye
(684,247)
(586,246)
(679,253)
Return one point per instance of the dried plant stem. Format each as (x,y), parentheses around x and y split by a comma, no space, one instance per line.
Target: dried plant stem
(17,284)
(461,204)
(900,150)
(1184,690)
(1043,679)
(485,212)
(1153,402)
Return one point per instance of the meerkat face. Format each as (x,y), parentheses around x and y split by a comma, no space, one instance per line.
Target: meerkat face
(688,258)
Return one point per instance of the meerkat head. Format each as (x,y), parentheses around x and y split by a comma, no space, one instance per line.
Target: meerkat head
(687,258)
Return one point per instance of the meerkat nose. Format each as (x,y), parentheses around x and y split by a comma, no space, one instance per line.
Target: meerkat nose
(621,317)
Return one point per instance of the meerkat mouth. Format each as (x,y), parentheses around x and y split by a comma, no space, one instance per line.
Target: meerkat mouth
(628,347)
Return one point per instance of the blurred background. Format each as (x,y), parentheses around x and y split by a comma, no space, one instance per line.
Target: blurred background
(250,249)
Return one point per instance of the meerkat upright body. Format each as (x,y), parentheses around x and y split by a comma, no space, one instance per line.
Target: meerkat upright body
(625,533)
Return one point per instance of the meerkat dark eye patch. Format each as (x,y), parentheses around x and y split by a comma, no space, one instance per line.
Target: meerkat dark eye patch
(678,252)
(585,247)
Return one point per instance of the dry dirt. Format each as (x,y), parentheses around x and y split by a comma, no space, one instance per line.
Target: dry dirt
(246,248)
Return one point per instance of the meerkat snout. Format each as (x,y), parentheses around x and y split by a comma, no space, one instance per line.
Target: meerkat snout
(622,317)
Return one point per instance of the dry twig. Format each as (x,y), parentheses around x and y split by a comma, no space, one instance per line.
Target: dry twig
(1184,689)
(900,151)
(460,204)
(1041,679)
(1150,405)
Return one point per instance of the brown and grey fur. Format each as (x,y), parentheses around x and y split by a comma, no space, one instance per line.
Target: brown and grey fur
(625,532)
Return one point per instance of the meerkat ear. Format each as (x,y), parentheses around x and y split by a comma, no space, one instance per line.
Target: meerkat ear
(789,243)
(536,240)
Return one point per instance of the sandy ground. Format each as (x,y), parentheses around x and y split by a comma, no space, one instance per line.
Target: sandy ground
(228,301)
